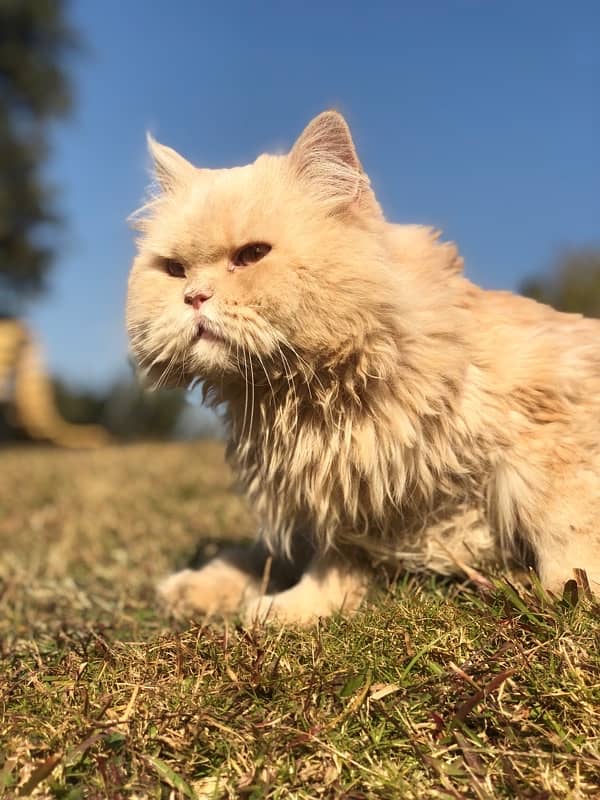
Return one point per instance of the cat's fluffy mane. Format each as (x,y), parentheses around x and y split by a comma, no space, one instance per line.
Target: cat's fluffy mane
(339,441)
(372,394)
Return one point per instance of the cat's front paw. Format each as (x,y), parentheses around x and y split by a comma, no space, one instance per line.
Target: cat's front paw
(280,609)
(217,588)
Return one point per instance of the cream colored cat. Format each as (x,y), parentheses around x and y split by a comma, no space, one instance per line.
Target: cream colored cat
(377,403)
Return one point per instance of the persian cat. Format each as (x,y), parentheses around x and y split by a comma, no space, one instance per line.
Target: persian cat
(383,413)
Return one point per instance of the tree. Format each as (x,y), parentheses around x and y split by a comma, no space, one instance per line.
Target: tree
(572,284)
(124,409)
(34,90)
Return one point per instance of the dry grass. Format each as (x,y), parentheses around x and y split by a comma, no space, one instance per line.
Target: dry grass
(437,691)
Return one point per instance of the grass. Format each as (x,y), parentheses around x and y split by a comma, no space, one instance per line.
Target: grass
(438,690)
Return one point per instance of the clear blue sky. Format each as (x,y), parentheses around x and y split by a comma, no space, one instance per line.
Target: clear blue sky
(482,118)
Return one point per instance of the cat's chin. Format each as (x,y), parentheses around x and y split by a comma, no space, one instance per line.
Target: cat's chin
(209,348)
(210,355)
(208,334)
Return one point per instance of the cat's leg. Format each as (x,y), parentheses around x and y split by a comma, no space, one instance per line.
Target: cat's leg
(558,561)
(569,539)
(217,588)
(230,580)
(456,538)
(564,528)
(328,585)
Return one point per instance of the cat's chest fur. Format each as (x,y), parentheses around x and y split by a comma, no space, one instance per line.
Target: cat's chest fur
(358,468)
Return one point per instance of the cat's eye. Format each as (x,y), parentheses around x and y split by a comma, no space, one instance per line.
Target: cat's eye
(251,253)
(174,268)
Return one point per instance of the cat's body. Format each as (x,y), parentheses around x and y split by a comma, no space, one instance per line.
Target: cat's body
(376,400)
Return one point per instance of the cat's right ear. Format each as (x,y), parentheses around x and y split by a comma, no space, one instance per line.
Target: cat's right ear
(169,168)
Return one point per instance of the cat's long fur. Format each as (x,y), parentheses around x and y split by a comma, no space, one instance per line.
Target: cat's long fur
(373,395)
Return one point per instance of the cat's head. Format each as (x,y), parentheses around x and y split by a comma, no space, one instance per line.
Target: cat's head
(284,255)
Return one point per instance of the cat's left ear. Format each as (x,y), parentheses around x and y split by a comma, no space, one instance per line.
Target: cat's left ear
(325,158)
(170,169)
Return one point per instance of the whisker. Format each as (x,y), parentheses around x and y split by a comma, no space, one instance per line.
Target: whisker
(304,362)
(252,406)
(167,371)
(245,397)
(262,363)
(290,381)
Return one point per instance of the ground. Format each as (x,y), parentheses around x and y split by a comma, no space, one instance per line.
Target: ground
(436,690)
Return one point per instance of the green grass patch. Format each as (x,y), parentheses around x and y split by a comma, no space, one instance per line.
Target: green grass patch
(438,690)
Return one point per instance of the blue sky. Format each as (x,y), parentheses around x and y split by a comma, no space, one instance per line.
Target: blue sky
(482,118)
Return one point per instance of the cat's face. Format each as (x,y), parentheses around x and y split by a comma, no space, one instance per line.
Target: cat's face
(283,255)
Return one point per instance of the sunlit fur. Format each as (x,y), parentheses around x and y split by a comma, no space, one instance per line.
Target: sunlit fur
(372,394)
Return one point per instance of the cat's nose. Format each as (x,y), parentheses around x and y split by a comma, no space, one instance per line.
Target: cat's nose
(196,297)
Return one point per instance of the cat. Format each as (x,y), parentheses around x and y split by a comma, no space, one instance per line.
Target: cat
(380,408)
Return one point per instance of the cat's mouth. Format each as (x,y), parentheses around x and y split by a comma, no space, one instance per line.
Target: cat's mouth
(206,333)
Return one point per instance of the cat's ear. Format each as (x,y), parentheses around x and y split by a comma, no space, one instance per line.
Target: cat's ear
(324,157)
(169,168)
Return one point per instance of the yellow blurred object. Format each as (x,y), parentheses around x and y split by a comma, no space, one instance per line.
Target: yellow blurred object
(26,386)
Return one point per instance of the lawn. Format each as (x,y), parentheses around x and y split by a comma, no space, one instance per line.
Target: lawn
(437,690)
